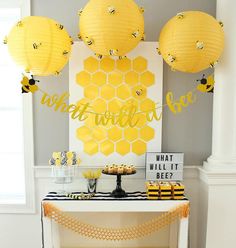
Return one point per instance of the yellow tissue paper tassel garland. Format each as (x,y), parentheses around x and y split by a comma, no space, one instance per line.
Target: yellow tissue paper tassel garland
(106,233)
(111,27)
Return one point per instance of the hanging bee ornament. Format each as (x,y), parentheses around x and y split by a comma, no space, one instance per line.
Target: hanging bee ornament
(19,24)
(65,53)
(5,40)
(143,38)
(199,45)
(99,56)
(113,52)
(60,26)
(206,84)
(221,24)
(71,41)
(158,50)
(180,15)
(56,73)
(135,34)
(111,10)
(89,41)
(36,45)
(171,58)
(213,64)
(80,12)
(142,10)
(29,85)
(79,36)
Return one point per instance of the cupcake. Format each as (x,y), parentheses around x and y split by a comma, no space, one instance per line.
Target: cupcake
(111,170)
(129,170)
(124,168)
(106,169)
(133,169)
(115,169)
(120,170)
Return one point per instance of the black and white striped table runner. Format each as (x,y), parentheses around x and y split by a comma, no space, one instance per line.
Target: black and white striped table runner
(53,196)
(105,196)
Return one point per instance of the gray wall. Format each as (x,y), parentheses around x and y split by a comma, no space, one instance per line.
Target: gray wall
(188,132)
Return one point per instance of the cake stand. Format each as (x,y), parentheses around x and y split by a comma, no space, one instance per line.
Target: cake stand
(118,192)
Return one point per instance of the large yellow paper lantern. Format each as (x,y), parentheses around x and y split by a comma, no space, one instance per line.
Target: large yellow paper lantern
(191,41)
(111,27)
(39,45)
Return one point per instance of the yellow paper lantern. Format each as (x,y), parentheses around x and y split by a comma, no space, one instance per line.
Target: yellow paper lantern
(191,41)
(40,45)
(111,27)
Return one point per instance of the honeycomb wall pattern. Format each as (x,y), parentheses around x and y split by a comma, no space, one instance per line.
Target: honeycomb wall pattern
(108,85)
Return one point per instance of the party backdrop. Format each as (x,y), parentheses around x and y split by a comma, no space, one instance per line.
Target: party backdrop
(108,84)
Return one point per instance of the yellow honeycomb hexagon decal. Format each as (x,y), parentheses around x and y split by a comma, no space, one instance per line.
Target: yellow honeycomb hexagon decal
(140,64)
(91,92)
(147,104)
(115,78)
(83,133)
(139,147)
(107,64)
(83,78)
(107,92)
(131,133)
(123,92)
(123,64)
(132,78)
(109,84)
(91,64)
(99,78)
(142,120)
(115,105)
(115,133)
(91,147)
(99,133)
(107,147)
(147,78)
(90,121)
(123,147)
(99,106)
(147,133)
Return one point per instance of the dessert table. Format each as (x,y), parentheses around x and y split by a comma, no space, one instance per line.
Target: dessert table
(104,202)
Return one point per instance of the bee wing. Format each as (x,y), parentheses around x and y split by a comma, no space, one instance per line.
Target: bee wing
(201,88)
(34,88)
(25,81)
(210,80)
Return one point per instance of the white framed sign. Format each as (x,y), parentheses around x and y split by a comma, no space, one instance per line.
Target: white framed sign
(164,166)
(100,145)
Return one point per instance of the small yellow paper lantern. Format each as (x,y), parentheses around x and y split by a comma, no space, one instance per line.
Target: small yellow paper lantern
(40,45)
(111,27)
(191,41)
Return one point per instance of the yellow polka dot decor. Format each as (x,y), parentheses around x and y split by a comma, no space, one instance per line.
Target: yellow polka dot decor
(39,45)
(111,27)
(191,41)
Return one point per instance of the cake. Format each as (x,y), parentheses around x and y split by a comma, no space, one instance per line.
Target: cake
(177,190)
(152,190)
(165,191)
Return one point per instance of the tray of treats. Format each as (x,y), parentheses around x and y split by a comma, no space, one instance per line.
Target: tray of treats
(119,169)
